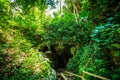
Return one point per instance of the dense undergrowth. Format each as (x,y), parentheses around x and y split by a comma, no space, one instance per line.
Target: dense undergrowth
(88,30)
(101,54)
(19,55)
(19,60)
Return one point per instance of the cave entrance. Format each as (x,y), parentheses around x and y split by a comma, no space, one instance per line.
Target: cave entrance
(59,58)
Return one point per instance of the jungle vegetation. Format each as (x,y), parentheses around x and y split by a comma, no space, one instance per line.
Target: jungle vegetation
(80,35)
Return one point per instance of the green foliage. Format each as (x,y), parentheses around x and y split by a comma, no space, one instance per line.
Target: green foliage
(107,35)
(18,34)
(62,29)
(100,55)
(19,60)
(95,60)
(5,12)
(87,29)
(65,29)
(27,4)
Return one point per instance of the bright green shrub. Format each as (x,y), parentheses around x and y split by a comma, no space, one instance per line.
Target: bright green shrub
(19,60)
(102,57)
(90,58)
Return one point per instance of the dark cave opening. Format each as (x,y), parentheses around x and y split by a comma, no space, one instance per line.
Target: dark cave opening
(59,58)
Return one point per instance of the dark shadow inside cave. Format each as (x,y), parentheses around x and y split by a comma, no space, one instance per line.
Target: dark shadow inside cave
(59,58)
